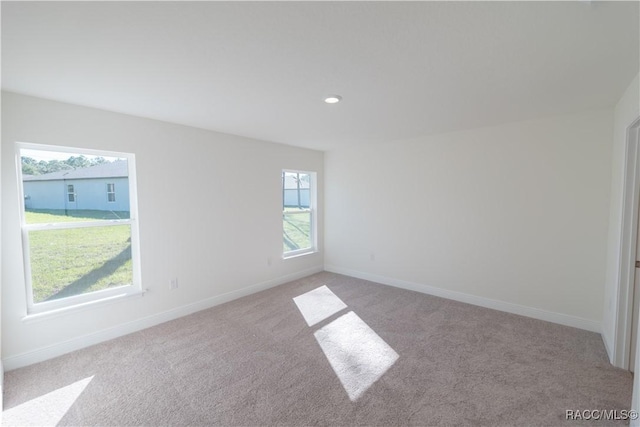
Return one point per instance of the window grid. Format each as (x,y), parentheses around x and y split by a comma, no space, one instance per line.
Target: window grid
(71,194)
(298,212)
(111,192)
(45,235)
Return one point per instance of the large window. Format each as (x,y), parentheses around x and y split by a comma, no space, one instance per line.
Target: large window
(298,212)
(78,246)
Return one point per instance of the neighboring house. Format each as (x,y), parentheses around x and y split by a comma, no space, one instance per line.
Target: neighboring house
(294,196)
(103,187)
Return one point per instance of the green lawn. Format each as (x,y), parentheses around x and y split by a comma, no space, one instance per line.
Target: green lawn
(297,231)
(75,261)
(42,216)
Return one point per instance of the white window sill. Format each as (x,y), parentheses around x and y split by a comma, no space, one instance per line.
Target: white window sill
(49,314)
(300,254)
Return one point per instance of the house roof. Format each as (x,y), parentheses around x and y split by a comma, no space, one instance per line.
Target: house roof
(116,169)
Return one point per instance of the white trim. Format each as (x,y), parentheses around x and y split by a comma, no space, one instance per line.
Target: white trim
(68,149)
(312,210)
(88,305)
(300,253)
(71,187)
(297,212)
(535,313)
(81,300)
(77,224)
(607,346)
(1,387)
(136,286)
(111,192)
(623,306)
(45,353)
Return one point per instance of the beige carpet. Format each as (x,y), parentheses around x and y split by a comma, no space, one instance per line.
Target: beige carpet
(327,350)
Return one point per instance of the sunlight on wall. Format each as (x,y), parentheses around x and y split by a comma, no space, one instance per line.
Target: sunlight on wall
(46,410)
(318,304)
(358,355)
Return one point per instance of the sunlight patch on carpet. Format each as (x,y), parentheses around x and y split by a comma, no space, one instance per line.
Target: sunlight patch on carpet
(45,410)
(356,353)
(318,304)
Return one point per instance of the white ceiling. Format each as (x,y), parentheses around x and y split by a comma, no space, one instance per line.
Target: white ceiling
(262,69)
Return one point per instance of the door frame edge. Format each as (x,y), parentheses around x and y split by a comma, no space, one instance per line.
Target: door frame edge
(628,242)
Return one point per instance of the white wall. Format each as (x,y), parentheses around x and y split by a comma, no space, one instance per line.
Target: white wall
(513,217)
(625,112)
(193,223)
(1,244)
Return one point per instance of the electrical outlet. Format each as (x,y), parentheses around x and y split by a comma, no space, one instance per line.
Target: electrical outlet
(174,283)
(269,261)
(372,256)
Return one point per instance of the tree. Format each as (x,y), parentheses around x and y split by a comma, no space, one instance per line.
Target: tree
(98,161)
(53,166)
(78,162)
(31,166)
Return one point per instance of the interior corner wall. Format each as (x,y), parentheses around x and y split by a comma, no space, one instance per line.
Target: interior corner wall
(625,112)
(513,217)
(210,213)
(1,364)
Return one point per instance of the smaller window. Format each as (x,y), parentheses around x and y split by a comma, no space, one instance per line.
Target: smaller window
(71,193)
(111,192)
(298,212)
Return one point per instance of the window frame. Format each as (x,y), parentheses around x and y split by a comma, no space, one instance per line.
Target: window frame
(312,211)
(80,300)
(113,185)
(71,190)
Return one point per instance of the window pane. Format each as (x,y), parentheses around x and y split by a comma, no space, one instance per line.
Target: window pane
(67,262)
(67,186)
(296,190)
(297,231)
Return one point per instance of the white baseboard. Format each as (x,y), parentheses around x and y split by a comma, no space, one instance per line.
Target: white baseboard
(1,390)
(607,347)
(535,313)
(45,353)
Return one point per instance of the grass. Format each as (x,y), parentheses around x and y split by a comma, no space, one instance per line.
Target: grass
(44,216)
(297,231)
(66,262)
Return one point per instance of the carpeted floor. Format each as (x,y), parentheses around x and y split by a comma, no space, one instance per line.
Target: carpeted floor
(344,352)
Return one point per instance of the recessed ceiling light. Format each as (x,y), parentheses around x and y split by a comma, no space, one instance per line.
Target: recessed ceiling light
(333,99)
